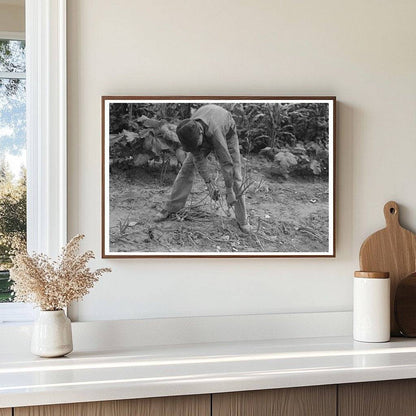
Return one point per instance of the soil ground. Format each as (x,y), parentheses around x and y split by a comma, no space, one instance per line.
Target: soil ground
(285,215)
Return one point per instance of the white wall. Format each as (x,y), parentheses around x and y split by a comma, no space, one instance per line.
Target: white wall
(361,51)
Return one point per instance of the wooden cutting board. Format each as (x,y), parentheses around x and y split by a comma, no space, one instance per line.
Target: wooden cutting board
(393,250)
(405,305)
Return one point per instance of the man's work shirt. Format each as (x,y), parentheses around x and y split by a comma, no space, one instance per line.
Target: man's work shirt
(219,135)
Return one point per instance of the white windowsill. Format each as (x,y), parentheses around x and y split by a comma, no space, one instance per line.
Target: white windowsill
(16,313)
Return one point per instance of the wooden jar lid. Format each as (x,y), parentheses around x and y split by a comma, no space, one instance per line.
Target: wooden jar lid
(372,275)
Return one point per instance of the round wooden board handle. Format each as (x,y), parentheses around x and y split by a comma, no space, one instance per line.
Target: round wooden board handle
(391,214)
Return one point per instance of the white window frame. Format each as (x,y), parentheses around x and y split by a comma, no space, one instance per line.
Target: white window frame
(46,127)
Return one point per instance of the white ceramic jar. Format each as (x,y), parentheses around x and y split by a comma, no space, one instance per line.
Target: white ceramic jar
(52,334)
(371,305)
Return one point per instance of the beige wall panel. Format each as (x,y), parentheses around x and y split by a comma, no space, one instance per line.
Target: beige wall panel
(361,51)
(12,18)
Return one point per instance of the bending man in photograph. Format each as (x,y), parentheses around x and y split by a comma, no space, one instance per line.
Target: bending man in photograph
(211,128)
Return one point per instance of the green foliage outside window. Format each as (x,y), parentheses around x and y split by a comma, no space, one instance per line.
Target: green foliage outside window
(12,223)
(12,145)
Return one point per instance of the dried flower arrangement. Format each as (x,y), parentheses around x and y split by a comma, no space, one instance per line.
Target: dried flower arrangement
(53,285)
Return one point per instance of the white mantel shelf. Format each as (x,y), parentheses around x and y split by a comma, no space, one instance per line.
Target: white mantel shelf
(151,371)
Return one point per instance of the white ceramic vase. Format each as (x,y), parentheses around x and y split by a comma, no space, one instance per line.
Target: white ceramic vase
(52,334)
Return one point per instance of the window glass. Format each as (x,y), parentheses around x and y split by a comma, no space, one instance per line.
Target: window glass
(12,56)
(12,156)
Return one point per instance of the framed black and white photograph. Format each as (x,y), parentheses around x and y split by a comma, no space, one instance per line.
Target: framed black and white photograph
(218,176)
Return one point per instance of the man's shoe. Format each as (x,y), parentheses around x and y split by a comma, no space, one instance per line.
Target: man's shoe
(161,216)
(245,228)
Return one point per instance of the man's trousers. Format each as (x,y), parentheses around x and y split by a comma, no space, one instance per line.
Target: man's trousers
(183,185)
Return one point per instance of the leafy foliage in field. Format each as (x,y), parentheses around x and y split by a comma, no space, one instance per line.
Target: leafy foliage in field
(147,140)
(292,136)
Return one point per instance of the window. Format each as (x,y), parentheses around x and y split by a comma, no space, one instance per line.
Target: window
(45,27)
(12,153)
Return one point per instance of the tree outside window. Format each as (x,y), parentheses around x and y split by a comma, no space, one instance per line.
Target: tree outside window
(12,156)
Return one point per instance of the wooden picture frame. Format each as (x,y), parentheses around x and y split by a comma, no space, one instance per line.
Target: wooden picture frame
(287,148)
